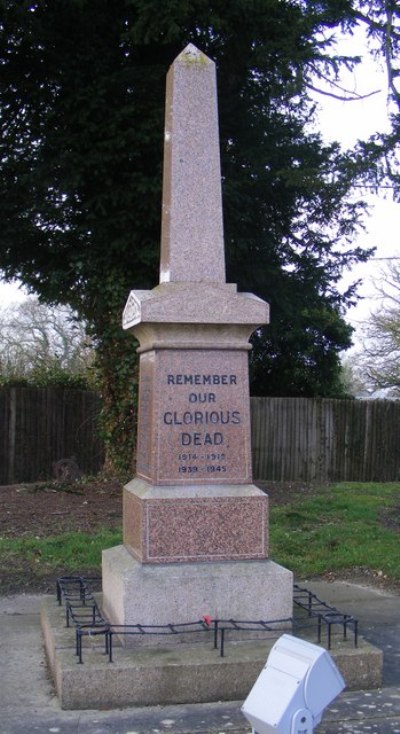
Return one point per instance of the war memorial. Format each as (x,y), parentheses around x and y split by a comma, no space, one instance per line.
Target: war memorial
(192,503)
(195,527)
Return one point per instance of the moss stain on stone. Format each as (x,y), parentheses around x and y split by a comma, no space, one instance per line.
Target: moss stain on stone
(192,55)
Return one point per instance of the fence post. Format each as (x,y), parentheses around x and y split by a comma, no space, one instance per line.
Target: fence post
(12,424)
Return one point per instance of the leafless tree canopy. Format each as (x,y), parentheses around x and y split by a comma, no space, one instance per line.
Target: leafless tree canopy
(378,362)
(36,336)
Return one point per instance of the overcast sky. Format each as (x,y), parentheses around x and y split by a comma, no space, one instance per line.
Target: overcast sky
(347,122)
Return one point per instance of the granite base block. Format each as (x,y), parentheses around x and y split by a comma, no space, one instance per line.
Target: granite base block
(135,593)
(195,523)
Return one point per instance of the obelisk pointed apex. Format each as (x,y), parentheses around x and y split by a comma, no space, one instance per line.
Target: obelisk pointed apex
(192,54)
(192,243)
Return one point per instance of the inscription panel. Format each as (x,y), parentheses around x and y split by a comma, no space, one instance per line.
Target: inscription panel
(203,418)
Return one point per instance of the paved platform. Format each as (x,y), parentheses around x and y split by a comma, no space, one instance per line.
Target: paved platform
(28,702)
(178,669)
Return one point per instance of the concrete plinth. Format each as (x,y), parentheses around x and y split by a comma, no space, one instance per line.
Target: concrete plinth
(192,673)
(136,593)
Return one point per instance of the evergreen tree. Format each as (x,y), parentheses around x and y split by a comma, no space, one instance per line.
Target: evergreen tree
(82,99)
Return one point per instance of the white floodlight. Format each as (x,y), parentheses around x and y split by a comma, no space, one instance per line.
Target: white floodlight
(297,683)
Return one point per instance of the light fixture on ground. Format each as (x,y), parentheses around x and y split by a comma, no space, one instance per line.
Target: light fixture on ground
(297,683)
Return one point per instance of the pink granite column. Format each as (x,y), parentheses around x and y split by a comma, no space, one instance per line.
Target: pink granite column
(195,527)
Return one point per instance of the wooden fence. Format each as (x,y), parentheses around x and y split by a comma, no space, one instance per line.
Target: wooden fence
(41,426)
(323,440)
(293,439)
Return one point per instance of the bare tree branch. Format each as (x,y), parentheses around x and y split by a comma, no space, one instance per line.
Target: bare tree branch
(354,98)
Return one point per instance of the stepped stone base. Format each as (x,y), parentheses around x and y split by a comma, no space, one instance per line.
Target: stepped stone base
(135,593)
(181,674)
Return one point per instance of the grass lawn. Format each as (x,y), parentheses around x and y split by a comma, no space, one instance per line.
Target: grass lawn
(341,527)
(72,550)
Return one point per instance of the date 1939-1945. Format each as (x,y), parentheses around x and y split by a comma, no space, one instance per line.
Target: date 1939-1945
(209,469)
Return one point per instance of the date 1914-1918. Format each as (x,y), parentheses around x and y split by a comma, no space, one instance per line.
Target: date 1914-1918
(198,457)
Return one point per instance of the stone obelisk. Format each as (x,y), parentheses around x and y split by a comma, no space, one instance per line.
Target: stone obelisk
(195,527)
